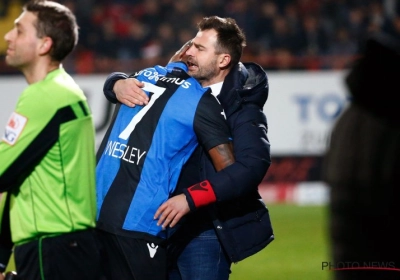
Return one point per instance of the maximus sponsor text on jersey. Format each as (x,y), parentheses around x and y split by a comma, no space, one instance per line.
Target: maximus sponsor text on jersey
(153,75)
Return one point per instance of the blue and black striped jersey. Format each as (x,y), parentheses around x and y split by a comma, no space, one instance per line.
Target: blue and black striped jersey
(145,147)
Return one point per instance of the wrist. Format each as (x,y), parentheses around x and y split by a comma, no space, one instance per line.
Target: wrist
(200,194)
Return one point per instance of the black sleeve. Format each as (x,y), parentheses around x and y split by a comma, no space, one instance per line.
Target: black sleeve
(210,124)
(109,85)
(252,156)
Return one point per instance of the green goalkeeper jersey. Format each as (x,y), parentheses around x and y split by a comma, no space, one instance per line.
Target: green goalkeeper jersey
(47,160)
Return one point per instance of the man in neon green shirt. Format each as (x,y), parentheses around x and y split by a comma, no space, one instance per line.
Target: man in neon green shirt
(47,166)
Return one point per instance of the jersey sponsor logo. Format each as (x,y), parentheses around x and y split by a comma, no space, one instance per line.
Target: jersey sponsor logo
(150,74)
(14,128)
(122,151)
(177,81)
(152,249)
(154,75)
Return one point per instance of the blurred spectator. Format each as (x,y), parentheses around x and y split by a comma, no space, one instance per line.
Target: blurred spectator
(341,49)
(181,14)
(314,39)
(356,23)
(342,44)
(166,37)
(376,15)
(265,20)
(242,12)
(130,45)
(308,7)
(292,17)
(394,28)
(282,37)
(107,44)
(283,59)
(310,30)
(391,8)
(152,15)
(212,7)
(362,167)
(334,12)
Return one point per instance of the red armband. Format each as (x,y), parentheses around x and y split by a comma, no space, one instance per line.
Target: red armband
(202,193)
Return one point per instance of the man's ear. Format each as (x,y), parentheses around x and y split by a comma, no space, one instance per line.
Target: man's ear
(224,60)
(45,46)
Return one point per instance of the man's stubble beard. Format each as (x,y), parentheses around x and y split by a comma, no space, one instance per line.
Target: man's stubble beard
(205,73)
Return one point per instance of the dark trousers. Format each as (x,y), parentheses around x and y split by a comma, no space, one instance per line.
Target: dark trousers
(133,258)
(69,256)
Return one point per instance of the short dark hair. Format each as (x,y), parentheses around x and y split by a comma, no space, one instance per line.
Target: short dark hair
(231,38)
(57,22)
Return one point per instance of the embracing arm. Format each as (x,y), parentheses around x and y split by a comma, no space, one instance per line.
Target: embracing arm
(252,160)
(222,156)
(171,211)
(108,88)
(252,154)
(120,87)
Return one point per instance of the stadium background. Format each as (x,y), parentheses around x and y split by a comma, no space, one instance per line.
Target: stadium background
(306,48)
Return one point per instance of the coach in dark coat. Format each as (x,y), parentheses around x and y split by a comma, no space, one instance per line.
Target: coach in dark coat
(239,217)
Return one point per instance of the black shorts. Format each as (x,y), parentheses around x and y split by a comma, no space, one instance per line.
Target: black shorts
(74,255)
(133,258)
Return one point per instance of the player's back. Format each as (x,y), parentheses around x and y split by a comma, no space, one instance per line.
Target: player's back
(143,152)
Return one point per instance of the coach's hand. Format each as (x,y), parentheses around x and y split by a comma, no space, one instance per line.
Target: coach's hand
(171,211)
(129,92)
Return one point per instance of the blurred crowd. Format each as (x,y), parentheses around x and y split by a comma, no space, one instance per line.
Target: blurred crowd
(127,35)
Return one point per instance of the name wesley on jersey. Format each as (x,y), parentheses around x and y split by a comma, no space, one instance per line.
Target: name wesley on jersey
(153,75)
(122,151)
